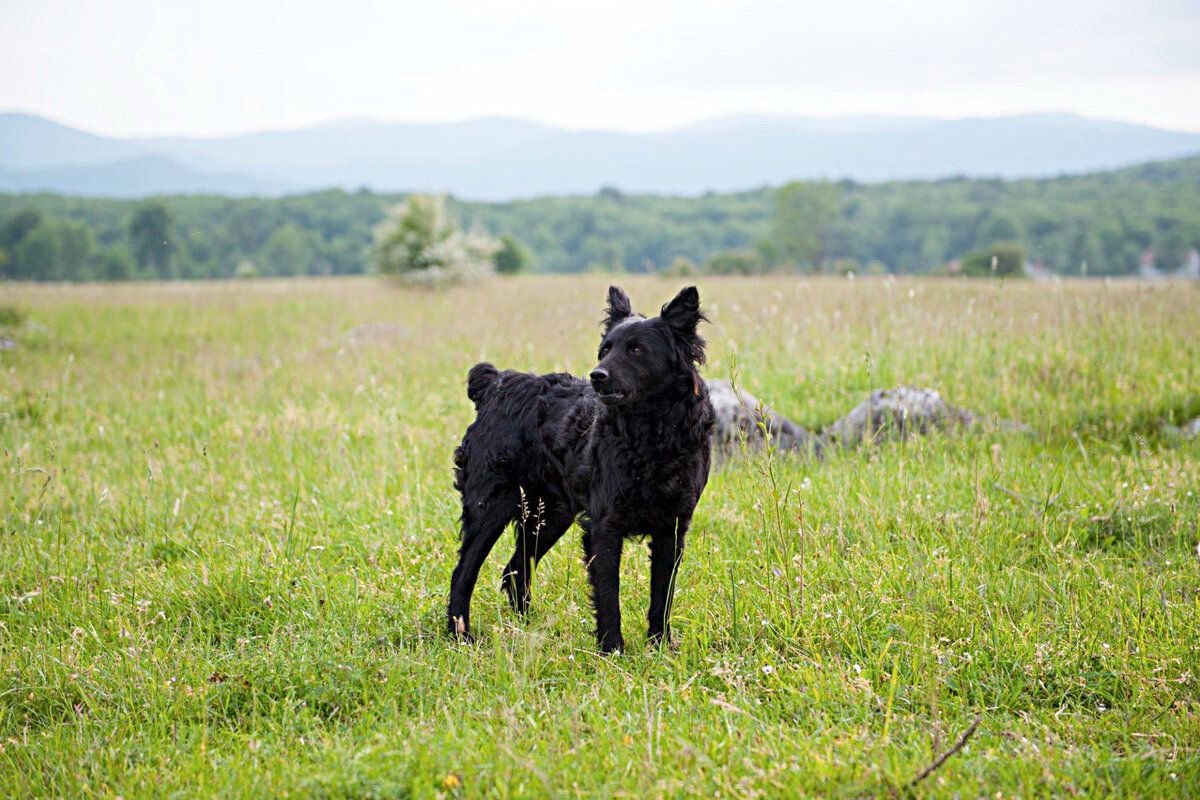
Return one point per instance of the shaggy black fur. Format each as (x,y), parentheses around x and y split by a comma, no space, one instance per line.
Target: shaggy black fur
(626,453)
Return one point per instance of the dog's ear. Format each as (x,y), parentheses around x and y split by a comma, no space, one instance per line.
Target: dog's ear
(619,307)
(682,315)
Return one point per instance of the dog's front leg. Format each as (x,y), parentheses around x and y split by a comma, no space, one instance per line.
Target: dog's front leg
(666,551)
(602,548)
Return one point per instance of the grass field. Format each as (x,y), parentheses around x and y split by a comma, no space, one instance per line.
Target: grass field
(228,528)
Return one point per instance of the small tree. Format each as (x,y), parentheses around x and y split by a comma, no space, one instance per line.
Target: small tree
(75,243)
(803,222)
(512,257)
(150,235)
(681,267)
(291,250)
(18,226)
(1001,260)
(117,264)
(420,243)
(734,262)
(54,250)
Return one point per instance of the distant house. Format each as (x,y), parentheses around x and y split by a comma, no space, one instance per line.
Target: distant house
(1038,270)
(1146,268)
(1191,265)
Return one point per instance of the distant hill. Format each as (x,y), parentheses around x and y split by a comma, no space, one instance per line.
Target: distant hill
(138,176)
(31,143)
(501,158)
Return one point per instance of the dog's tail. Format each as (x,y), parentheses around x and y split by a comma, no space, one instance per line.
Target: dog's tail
(482,381)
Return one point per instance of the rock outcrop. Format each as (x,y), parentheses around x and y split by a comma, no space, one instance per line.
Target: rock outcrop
(885,414)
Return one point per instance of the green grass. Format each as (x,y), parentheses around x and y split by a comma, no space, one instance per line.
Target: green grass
(228,527)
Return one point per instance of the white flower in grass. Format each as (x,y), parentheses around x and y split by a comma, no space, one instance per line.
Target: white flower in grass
(767,669)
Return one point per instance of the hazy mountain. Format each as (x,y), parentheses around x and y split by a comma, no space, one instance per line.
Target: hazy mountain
(131,177)
(28,142)
(348,142)
(501,158)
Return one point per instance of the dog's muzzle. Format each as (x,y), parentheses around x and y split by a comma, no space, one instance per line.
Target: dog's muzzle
(602,384)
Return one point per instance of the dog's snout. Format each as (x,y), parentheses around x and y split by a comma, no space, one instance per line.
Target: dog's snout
(599,376)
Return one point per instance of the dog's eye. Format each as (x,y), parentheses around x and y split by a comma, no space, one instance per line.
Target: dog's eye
(635,349)
(604,350)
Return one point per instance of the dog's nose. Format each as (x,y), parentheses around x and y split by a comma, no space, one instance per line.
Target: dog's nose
(599,375)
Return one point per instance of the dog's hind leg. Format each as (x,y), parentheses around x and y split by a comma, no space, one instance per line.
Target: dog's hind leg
(666,551)
(535,535)
(482,524)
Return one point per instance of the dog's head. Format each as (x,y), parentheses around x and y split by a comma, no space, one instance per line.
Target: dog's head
(642,358)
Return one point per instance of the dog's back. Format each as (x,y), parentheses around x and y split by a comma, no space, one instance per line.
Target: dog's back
(528,431)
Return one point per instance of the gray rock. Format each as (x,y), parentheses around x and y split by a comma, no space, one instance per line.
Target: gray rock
(897,413)
(1188,430)
(740,416)
(885,414)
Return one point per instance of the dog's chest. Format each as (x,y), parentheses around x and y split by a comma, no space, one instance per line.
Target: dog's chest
(648,490)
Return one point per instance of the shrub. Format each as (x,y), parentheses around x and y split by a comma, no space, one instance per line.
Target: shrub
(1001,260)
(11,317)
(843,267)
(512,257)
(419,243)
(735,262)
(681,267)
(117,264)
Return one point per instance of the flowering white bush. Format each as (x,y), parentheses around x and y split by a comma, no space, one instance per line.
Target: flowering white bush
(419,243)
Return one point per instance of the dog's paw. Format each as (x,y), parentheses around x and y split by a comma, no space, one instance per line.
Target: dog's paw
(458,630)
(612,645)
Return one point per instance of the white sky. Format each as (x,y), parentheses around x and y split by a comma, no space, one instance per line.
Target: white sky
(224,66)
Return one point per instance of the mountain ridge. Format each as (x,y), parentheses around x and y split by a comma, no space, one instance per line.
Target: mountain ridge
(501,158)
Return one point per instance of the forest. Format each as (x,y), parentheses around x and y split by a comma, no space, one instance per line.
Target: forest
(1102,223)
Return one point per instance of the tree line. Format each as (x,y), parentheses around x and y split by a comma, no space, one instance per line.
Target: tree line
(1101,224)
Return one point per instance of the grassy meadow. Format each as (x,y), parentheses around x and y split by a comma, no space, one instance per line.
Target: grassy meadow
(228,525)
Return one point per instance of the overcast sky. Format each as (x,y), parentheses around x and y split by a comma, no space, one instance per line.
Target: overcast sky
(228,66)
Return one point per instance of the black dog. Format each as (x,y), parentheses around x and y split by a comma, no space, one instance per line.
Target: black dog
(627,453)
